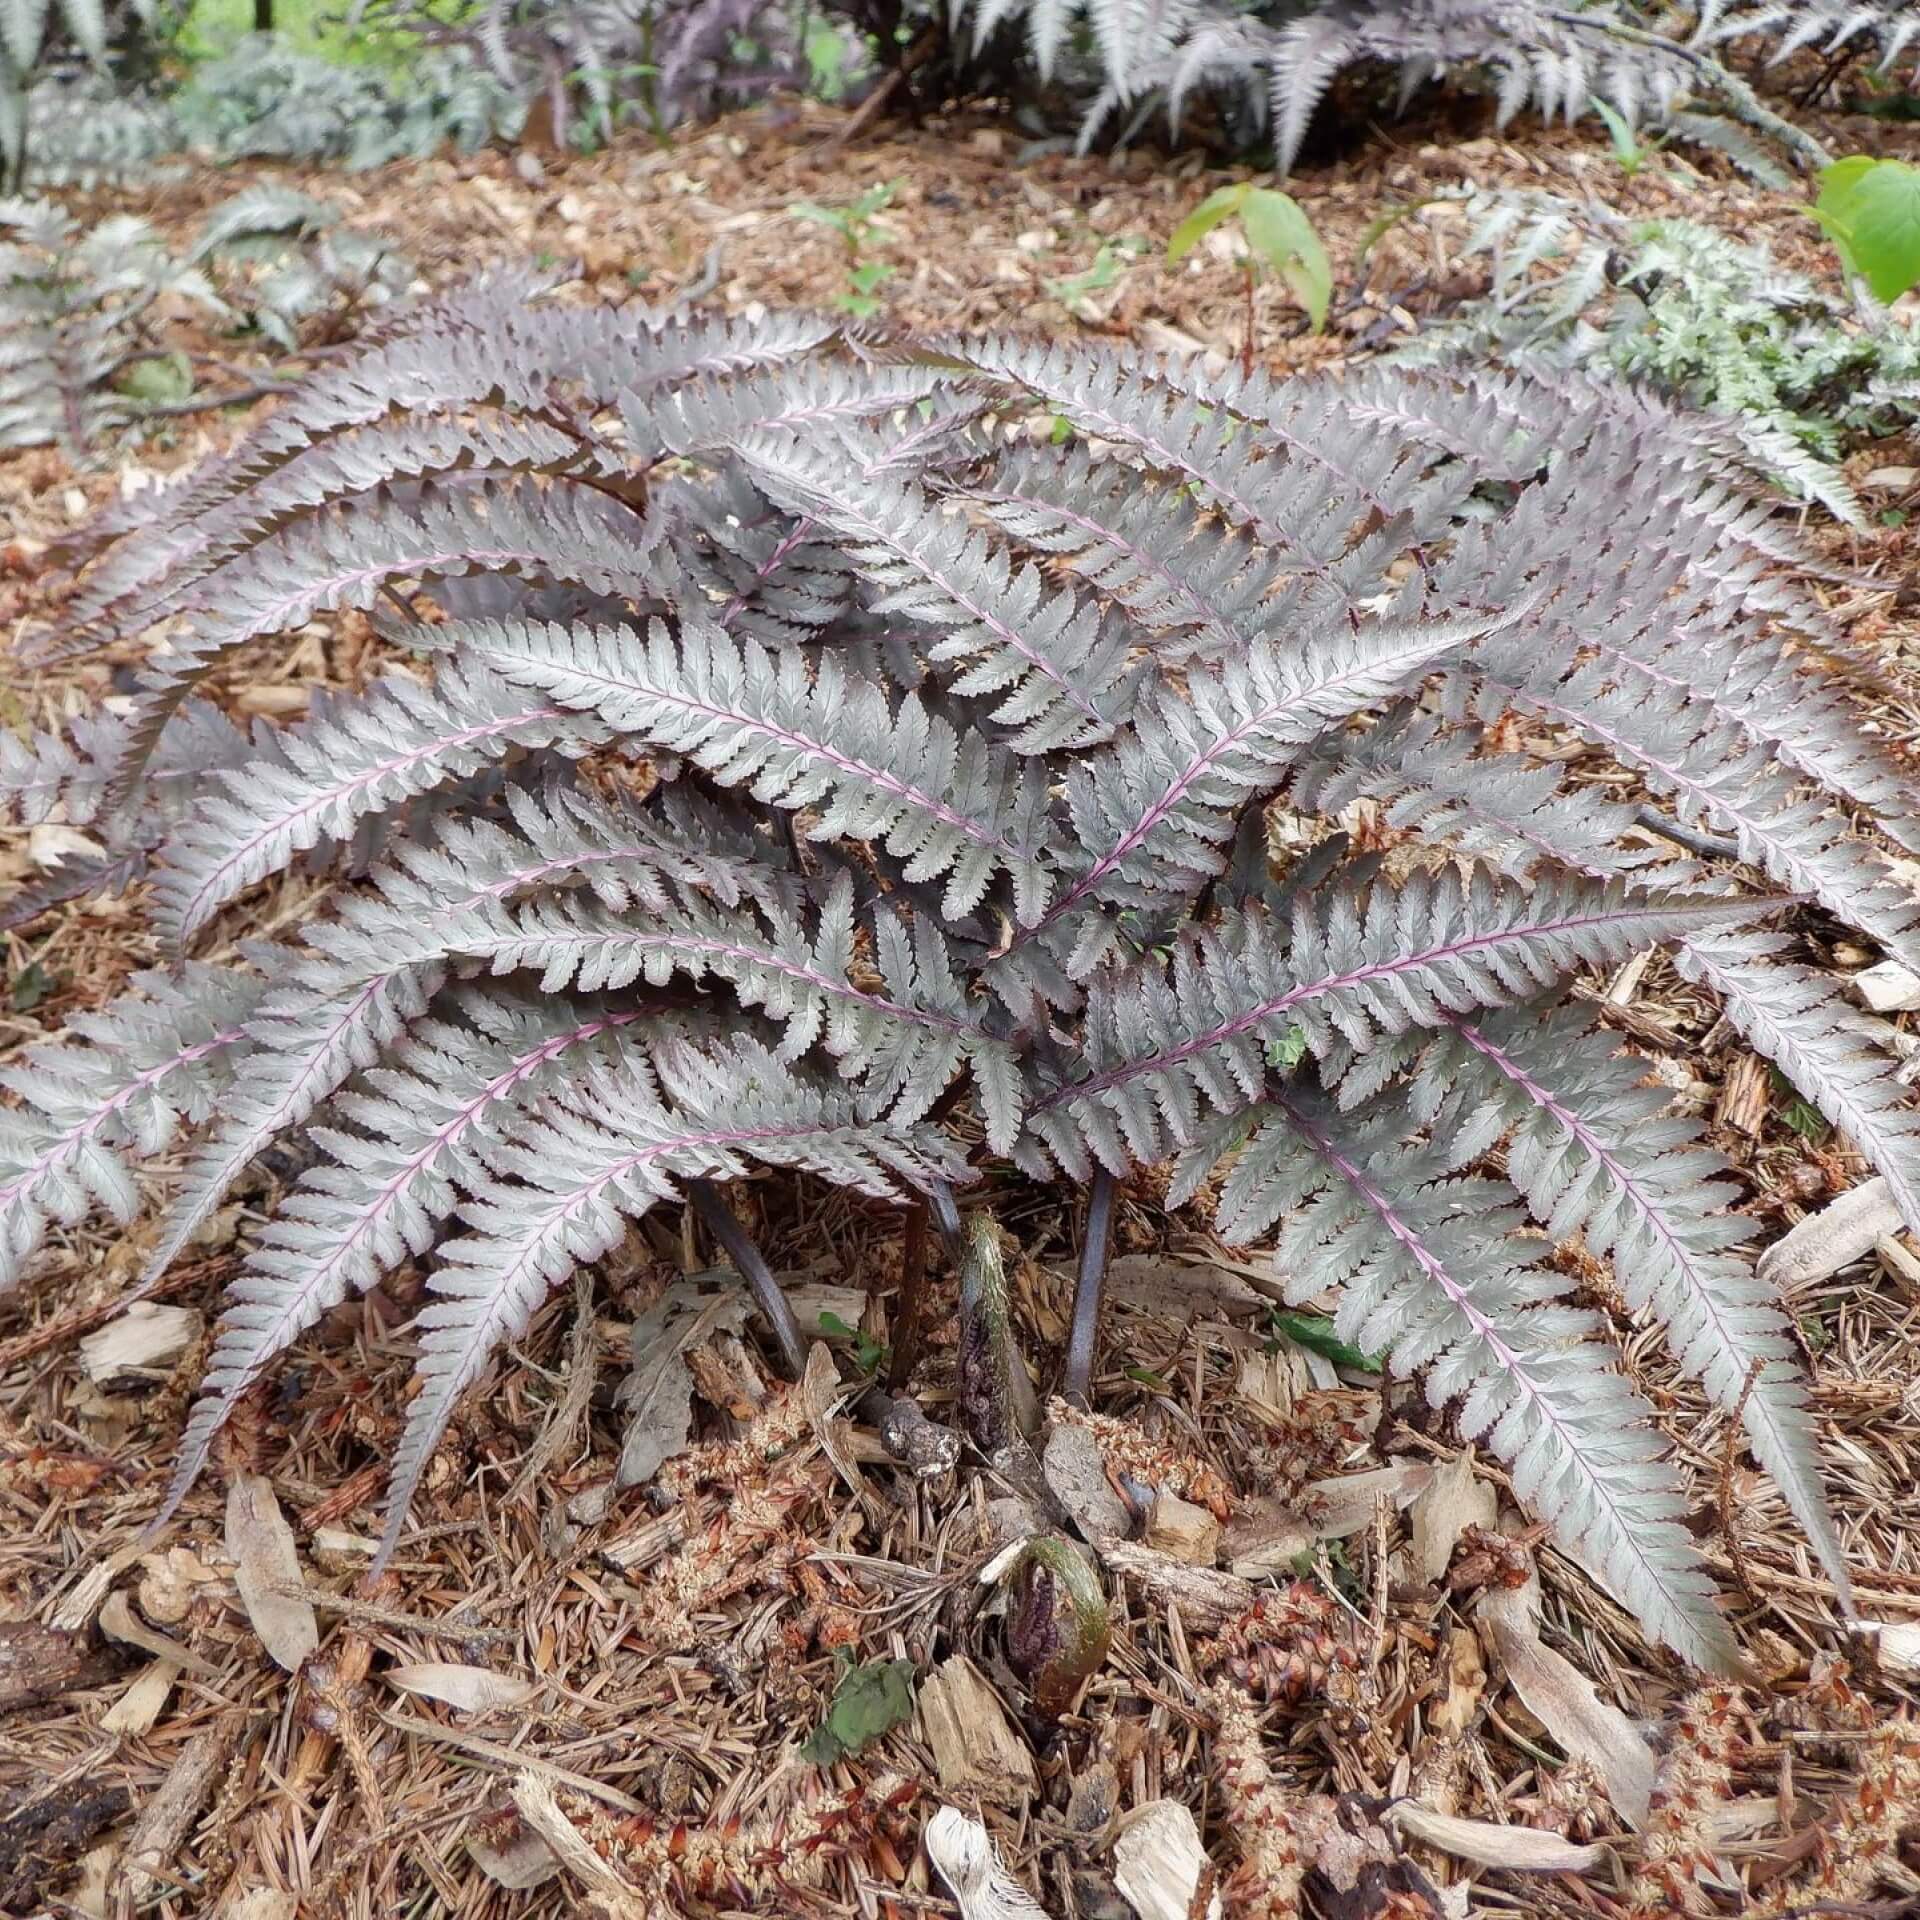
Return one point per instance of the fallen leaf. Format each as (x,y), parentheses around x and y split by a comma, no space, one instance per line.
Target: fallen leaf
(1345,1504)
(657,1394)
(1452,1501)
(869,1701)
(1563,1699)
(1158,1861)
(520,1861)
(963,1852)
(266,1565)
(470,1689)
(1518,1849)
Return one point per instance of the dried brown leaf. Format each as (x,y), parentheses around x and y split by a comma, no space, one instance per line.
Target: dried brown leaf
(267,1572)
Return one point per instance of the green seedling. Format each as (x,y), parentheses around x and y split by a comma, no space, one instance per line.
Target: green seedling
(860,229)
(1279,237)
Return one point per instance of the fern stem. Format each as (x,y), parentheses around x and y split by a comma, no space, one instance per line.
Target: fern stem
(913,1294)
(751,1266)
(1076,1381)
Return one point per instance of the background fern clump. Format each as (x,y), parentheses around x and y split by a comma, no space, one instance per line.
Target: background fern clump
(790,760)
(1789,371)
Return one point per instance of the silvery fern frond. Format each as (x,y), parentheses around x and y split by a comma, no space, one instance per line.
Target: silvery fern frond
(1835,1055)
(400,1153)
(367,756)
(1430,1272)
(1596,1151)
(800,735)
(1058,660)
(116,1083)
(1166,1044)
(563,1183)
(300,1053)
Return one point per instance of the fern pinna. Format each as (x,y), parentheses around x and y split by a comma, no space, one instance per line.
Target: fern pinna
(791,758)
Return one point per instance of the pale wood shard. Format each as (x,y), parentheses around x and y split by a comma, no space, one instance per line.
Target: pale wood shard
(1833,1238)
(145,1340)
(977,1750)
(1158,1864)
(1888,988)
(1183,1531)
(1746,1095)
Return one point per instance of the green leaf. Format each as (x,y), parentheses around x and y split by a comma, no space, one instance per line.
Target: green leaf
(32,984)
(1312,1331)
(1871,209)
(1222,204)
(1280,233)
(158,380)
(1626,148)
(869,1701)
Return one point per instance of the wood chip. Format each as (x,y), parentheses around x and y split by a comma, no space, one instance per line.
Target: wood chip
(145,1340)
(963,1853)
(1158,1861)
(1180,1529)
(1077,1474)
(153,1846)
(1833,1238)
(1746,1095)
(136,1711)
(1888,988)
(267,1572)
(37,1662)
(977,1751)
(1205,1595)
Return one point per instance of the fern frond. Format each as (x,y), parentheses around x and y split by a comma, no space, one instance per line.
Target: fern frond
(1060,663)
(799,735)
(388,1186)
(341,559)
(398,740)
(566,1181)
(913,1032)
(1596,1151)
(1832,1053)
(1431,1271)
(1164,1046)
(474,448)
(1152,809)
(300,1055)
(118,1082)
(1444,783)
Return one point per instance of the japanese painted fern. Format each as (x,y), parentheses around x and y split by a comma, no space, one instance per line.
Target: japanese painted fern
(960,757)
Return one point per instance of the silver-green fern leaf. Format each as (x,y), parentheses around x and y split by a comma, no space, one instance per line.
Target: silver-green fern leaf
(795,777)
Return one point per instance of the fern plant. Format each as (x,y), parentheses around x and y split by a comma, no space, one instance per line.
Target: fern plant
(960,757)
(1788,373)
(1271,64)
(75,315)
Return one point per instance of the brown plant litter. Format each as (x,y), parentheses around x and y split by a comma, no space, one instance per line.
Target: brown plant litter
(570,1697)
